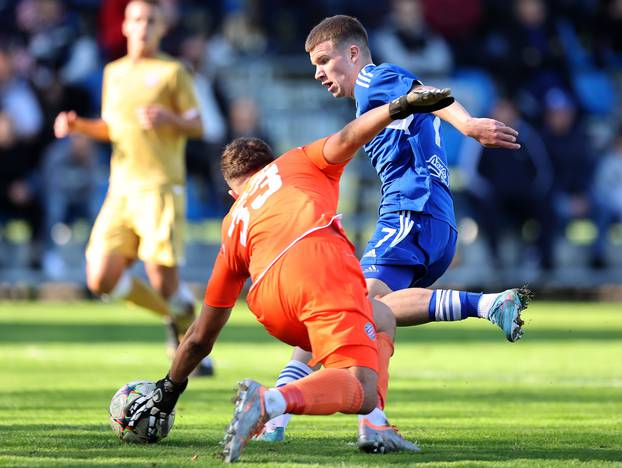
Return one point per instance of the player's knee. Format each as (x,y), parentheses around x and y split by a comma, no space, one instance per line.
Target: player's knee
(99,284)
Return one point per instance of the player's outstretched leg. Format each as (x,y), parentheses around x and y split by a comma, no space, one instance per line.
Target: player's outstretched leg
(505,311)
(416,306)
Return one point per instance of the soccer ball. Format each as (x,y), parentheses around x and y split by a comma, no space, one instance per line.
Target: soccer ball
(119,419)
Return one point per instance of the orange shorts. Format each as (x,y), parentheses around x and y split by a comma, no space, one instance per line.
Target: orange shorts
(315,297)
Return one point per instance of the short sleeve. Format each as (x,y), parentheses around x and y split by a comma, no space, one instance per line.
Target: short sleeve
(184,95)
(315,153)
(225,284)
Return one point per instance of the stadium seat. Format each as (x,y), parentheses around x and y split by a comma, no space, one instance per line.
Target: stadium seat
(595,91)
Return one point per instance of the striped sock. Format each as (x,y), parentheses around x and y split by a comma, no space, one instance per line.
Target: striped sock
(294,370)
(448,305)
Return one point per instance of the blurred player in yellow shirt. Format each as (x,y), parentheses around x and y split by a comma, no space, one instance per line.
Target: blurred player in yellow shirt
(148,112)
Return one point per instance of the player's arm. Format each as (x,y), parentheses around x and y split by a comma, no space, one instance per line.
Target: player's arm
(489,132)
(223,289)
(189,123)
(67,123)
(198,341)
(341,146)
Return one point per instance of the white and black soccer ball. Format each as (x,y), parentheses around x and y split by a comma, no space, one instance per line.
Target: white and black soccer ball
(119,418)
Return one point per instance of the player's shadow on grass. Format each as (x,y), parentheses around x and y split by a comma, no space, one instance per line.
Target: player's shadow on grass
(49,332)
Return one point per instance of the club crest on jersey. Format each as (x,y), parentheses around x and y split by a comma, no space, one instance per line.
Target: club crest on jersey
(151,80)
(370,330)
(437,168)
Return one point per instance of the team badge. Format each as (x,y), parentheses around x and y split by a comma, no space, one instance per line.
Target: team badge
(151,80)
(370,330)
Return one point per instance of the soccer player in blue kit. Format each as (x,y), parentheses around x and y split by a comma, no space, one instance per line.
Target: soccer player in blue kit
(415,238)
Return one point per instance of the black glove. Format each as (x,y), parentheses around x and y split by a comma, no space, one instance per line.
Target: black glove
(157,406)
(420,101)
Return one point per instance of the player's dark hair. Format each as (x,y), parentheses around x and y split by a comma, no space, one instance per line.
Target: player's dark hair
(339,29)
(245,156)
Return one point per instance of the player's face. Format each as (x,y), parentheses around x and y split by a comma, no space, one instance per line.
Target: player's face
(143,26)
(335,68)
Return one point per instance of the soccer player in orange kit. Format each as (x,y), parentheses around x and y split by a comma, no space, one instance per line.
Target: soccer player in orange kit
(307,287)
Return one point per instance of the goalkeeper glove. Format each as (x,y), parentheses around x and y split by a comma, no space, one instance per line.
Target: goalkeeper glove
(157,406)
(420,101)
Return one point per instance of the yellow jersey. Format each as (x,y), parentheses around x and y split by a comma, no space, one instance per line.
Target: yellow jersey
(146,158)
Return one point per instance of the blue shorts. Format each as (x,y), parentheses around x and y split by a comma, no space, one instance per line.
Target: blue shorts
(409,249)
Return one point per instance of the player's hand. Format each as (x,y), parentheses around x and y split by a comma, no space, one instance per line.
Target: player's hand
(154,116)
(157,406)
(492,134)
(64,124)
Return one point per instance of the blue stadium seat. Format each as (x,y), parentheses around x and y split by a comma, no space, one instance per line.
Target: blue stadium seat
(595,91)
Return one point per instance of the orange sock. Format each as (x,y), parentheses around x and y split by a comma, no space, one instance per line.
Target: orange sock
(385,351)
(326,391)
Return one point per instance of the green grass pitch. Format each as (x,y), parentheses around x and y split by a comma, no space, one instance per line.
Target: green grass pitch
(459,389)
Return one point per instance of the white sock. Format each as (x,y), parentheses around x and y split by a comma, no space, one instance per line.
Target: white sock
(484,304)
(293,370)
(181,298)
(275,402)
(278,421)
(376,417)
(121,289)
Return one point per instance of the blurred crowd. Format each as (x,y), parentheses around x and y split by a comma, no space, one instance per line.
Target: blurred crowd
(551,69)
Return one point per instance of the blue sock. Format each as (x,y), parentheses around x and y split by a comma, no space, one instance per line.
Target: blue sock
(294,370)
(448,305)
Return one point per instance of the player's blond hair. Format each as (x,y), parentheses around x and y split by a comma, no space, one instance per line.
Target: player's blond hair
(244,156)
(339,29)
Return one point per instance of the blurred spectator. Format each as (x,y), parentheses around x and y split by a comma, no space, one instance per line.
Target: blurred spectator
(69,174)
(203,155)
(526,53)
(110,35)
(20,124)
(406,41)
(464,19)
(239,36)
(244,120)
(608,193)
(461,28)
(607,29)
(17,99)
(511,186)
(570,150)
(47,31)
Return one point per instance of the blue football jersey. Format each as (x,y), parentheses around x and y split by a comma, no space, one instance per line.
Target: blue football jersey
(408,155)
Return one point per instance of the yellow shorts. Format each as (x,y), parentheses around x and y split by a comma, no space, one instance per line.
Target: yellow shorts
(146,224)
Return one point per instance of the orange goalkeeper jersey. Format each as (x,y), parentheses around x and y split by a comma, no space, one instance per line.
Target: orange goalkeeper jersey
(287,200)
